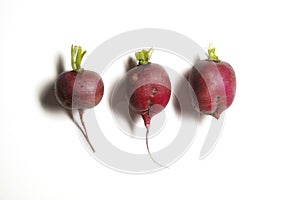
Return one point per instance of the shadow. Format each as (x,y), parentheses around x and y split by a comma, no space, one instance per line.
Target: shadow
(47,95)
(184,91)
(180,90)
(134,118)
(119,102)
(197,59)
(176,104)
(131,63)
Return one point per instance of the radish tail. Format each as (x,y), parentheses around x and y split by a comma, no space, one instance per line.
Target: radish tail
(85,132)
(147,133)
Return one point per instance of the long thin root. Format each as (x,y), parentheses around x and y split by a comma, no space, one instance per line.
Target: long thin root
(157,163)
(85,132)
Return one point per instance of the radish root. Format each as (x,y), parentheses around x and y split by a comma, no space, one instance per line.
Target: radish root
(85,132)
(157,163)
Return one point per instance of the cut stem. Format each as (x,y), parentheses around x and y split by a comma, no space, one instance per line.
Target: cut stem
(143,56)
(211,53)
(76,57)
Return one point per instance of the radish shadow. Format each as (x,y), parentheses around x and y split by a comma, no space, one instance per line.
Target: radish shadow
(118,97)
(47,95)
(180,89)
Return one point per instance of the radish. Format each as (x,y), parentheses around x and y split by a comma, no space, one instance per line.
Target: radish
(148,88)
(79,89)
(214,84)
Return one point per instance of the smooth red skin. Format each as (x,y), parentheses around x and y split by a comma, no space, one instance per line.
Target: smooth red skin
(148,88)
(79,90)
(214,84)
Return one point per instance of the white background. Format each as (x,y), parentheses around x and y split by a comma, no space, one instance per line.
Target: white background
(257,157)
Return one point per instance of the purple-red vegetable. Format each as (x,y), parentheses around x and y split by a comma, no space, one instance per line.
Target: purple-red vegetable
(214,84)
(79,89)
(148,88)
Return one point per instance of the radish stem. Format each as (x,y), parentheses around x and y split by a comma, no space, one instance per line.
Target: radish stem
(212,53)
(76,57)
(143,56)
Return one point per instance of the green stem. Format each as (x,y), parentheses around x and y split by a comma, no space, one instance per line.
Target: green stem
(143,56)
(212,54)
(76,57)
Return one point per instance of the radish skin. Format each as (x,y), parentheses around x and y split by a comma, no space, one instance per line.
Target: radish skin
(214,84)
(79,89)
(148,89)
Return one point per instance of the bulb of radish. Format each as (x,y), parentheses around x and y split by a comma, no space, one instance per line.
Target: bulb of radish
(214,84)
(148,88)
(79,89)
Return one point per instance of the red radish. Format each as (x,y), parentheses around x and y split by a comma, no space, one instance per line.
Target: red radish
(214,84)
(79,89)
(148,88)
